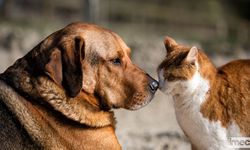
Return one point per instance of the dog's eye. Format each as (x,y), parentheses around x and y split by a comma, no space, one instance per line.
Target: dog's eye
(116,61)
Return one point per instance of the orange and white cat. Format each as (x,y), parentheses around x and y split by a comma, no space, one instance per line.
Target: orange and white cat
(211,104)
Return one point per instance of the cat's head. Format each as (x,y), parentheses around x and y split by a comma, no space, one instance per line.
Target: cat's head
(178,72)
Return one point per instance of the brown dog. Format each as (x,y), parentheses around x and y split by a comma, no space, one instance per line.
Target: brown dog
(59,95)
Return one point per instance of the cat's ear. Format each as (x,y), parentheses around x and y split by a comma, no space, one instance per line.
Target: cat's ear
(192,55)
(169,44)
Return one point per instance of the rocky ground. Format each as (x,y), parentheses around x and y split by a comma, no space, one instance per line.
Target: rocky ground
(153,127)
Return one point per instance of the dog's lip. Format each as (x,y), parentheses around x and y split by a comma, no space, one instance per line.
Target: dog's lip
(142,104)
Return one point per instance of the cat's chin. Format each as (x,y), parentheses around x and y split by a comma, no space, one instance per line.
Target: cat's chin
(168,87)
(161,87)
(165,90)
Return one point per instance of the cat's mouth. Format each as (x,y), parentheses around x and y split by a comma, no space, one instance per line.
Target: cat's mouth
(168,87)
(161,84)
(161,79)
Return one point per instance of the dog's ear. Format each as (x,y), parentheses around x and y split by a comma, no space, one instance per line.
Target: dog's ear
(65,65)
(54,67)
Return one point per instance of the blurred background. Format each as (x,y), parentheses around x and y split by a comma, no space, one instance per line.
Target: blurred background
(220,27)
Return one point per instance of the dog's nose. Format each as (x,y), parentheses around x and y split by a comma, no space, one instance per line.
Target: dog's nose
(153,84)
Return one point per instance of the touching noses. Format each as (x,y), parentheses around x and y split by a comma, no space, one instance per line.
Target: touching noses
(153,84)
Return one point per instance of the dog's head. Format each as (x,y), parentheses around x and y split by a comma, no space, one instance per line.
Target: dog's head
(89,59)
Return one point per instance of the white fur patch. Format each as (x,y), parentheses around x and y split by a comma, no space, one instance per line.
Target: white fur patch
(188,97)
(234,130)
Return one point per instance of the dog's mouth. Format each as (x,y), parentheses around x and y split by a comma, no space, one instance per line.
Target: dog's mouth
(115,107)
(144,96)
(139,100)
(133,101)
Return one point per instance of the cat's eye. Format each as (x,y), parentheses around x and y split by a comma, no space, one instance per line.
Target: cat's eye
(116,61)
(171,78)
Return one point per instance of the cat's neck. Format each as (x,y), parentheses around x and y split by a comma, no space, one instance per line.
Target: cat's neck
(193,94)
(196,90)
(207,69)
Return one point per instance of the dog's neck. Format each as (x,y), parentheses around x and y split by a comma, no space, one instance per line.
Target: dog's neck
(52,130)
(81,109)
(78,109)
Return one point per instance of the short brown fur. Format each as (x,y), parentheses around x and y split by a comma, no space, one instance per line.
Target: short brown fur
(229,99)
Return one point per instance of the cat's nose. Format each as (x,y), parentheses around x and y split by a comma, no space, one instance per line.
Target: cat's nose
(153,84)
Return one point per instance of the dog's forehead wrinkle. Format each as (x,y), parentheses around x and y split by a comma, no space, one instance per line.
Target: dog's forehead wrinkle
(105,43)
(122,45)
(94,58)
